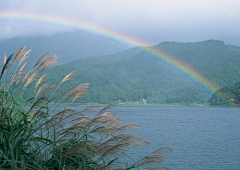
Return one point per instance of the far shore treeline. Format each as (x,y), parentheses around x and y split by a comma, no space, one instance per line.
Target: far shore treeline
(134,76)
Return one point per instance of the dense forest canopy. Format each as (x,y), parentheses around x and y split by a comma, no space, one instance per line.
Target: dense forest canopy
(226,96)
(133,74)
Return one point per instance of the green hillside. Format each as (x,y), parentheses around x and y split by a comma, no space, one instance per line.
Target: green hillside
(226,96)
(133,74)
(215,60)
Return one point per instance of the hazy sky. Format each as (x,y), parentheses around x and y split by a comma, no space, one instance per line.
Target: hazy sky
(152,21)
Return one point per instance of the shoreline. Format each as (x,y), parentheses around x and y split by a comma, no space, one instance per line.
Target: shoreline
(133,104)
(145,105)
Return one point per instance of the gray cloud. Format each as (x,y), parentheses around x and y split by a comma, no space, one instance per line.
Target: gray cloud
(151,21)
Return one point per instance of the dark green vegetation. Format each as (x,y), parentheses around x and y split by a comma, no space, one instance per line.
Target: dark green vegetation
(227,96)
(35,134)
(67,46)
(133,74)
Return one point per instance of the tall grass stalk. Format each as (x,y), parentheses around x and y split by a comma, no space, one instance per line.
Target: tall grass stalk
(33,136)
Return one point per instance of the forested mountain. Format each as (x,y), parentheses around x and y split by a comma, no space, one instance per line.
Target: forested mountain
(133,74)
(215,60)
(226,96)
(67,46)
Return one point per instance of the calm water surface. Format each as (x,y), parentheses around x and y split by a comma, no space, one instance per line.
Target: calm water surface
(202,138)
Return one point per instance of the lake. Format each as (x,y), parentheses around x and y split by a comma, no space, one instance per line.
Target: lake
(202,137)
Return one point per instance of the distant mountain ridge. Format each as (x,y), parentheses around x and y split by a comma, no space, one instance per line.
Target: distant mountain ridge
(68,46)
(134,74)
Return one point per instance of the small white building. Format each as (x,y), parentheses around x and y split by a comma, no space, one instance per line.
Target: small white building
(144,101)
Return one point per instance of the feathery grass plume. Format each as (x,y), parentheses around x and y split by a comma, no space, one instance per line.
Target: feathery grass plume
(30,79)
(47,62)
(5,59)
(156,157)
(23,67)
(50,88)
(142,143)
(38,103)
(76,91)
(20,78)
(79,94)
(109,122)
(76,95)
(40,80)
(68,77)
(13,80)
(73,89)
(41,58)
(18,75)
(41,89)
(6,65)
(130,127)
(35,135)
(26,55)
(18,55)
(27,75)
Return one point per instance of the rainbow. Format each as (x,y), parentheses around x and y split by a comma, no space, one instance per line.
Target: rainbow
(96,29)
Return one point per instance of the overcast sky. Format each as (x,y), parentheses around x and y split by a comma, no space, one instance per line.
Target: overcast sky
(151,21)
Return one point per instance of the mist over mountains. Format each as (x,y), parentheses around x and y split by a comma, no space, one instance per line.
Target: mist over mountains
(67,46)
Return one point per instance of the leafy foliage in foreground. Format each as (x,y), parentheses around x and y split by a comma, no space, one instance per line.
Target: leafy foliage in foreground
(34,135)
